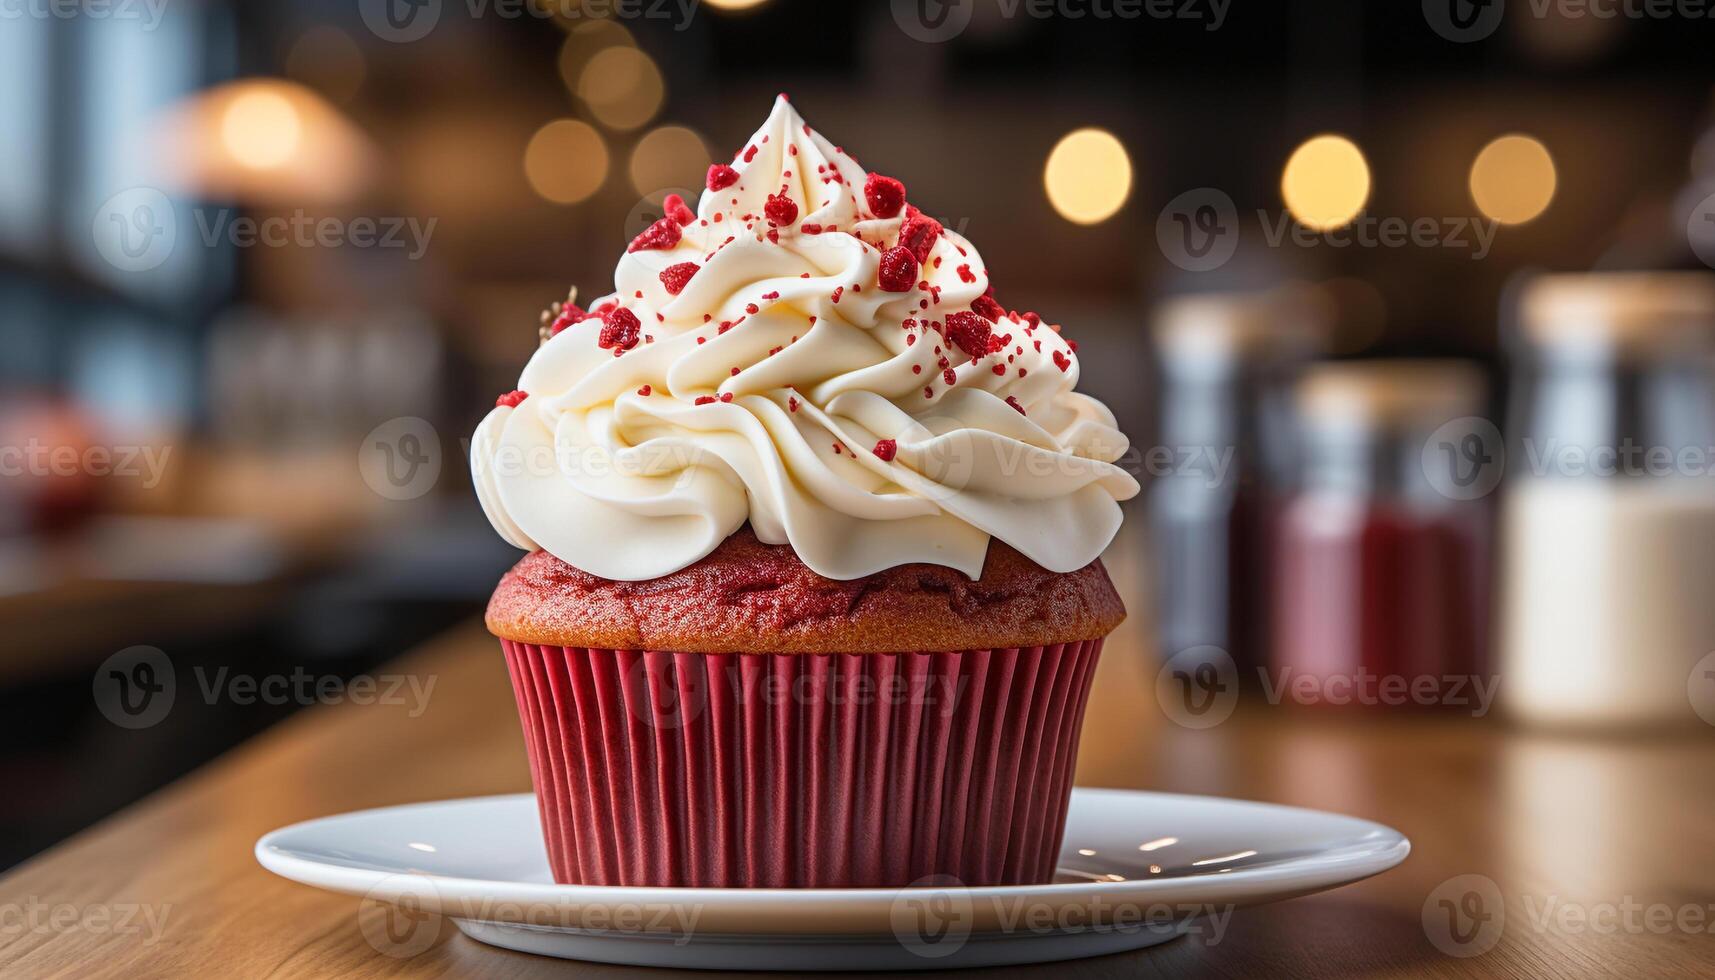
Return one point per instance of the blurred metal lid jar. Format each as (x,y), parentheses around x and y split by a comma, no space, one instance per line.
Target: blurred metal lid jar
(1608,541)
(1381,578)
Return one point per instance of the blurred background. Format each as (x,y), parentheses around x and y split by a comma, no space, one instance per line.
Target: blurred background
(264,265)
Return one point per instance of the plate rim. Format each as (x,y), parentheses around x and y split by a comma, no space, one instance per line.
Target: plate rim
(836,910)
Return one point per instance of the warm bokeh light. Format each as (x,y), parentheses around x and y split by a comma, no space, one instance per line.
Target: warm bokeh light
(326,58)
(734,4)
(566,161)
(1088,176)
(588,39)
(260,129)
(671,156)
(1326,182)
(1512,179)
(622,87)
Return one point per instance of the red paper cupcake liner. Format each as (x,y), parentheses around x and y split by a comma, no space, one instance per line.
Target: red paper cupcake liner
(802,770)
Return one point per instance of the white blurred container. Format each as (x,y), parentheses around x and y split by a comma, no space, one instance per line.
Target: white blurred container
(1607,581)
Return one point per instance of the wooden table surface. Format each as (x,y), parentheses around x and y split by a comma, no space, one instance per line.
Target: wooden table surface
(1602,851)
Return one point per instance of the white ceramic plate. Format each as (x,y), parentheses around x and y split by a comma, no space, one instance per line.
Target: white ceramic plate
(1135,869)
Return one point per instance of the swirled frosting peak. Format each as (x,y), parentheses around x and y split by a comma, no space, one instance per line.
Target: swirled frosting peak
(808,353)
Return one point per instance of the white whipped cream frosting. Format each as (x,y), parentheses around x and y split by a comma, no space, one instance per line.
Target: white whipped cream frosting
(633,486)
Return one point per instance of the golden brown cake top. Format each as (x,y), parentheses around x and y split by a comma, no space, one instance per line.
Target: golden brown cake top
(750,597)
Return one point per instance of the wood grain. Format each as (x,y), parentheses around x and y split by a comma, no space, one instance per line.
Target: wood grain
(1585,823)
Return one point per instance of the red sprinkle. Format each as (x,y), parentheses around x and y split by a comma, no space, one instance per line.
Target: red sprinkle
(885,450)
(721,177)
(705,400)
(569,314)
(965,273)
(646,391)
(791,404)
(970,332)
(898,270)
(885,195)
(620,331)
(750,153)
(726,396)
(810,228)
(663,234)
(1061,361)
(988,309)
(1013,401)
(675,277)
(675,208)
(510,399)
(781,209)
(949,377)
(919,234)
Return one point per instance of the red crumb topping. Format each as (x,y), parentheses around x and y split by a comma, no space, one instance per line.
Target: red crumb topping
(620,331)
(885,195)
(898,270)
(663,234)
(1061,361)
(969,332)
(1013,401)
(646,391)
(885,450)
(569,314)
(965,273)
(675,208)
(510,399)
(988,309)
(781,209)
(721,177)
(919,234)
(705,400)
(949,377)
(674,277)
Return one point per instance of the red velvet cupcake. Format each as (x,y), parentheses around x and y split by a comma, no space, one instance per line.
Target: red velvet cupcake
(814,597)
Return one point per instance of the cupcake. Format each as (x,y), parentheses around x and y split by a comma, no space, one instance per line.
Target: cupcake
(813,596)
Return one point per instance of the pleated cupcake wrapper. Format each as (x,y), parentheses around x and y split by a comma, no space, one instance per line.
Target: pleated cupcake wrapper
(802,770)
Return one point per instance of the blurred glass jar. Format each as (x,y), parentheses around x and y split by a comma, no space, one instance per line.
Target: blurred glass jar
(1608,553)
(1229,362)
(1381,591)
